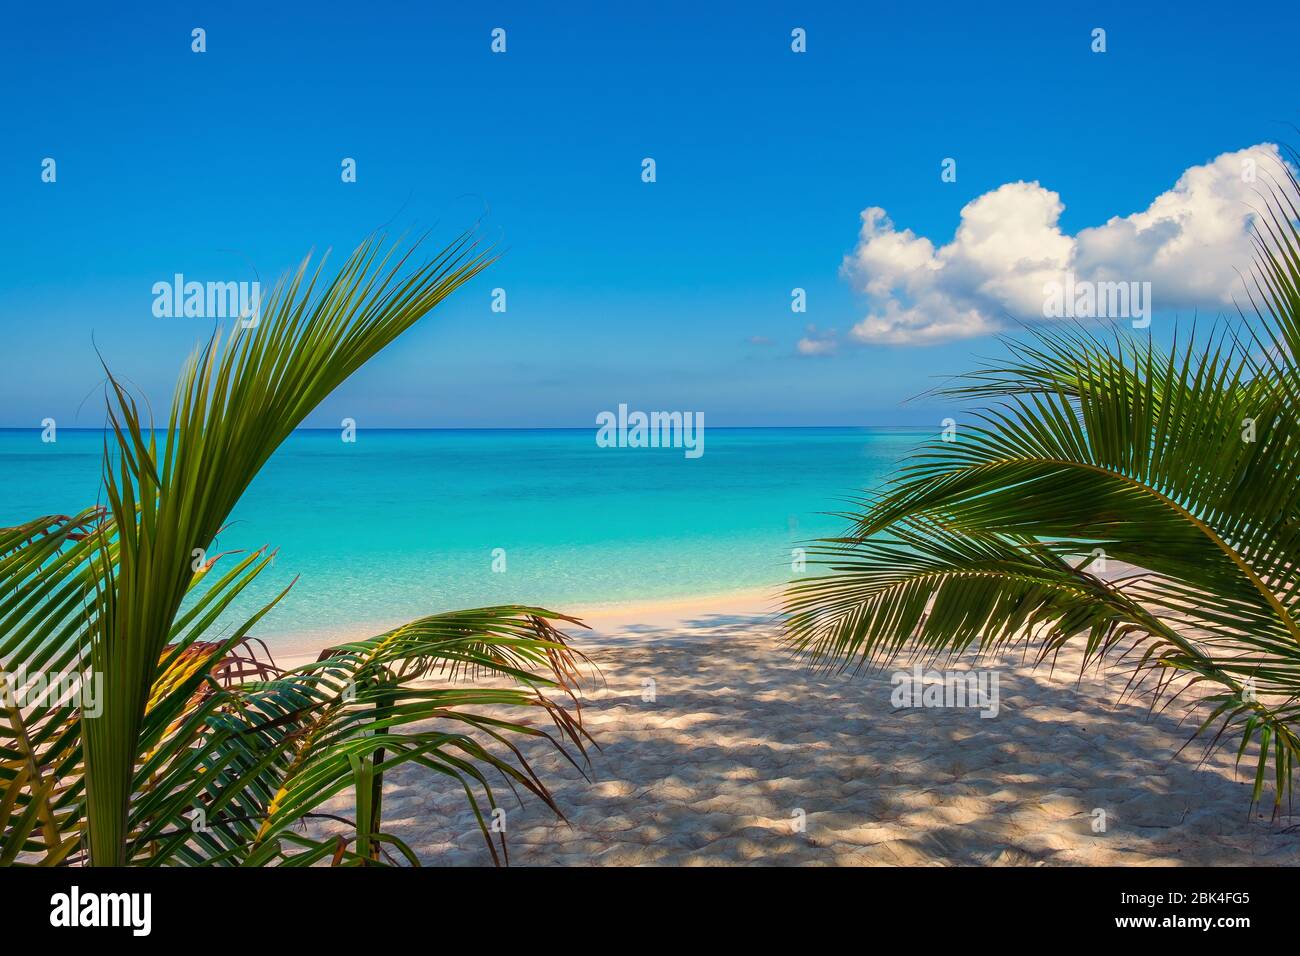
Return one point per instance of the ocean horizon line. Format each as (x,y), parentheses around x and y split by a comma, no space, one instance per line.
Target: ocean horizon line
(516,428)
(407,521)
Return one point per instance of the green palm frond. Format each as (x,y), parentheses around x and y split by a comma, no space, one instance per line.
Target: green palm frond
(176,766)
(1182,463)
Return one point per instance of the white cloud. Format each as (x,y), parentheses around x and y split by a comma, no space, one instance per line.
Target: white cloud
(1189,244)
(818,343)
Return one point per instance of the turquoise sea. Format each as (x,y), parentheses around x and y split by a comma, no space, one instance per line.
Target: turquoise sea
(402,523)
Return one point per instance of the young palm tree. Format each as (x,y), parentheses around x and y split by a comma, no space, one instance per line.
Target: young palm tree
(172,765)
(1183,464)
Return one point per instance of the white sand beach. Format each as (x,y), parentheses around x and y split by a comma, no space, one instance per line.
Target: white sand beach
(745,756)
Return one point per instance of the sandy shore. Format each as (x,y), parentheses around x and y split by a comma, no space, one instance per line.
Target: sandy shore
(744,756)
(608,624)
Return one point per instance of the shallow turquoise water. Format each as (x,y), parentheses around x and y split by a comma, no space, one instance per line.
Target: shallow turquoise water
(404,523)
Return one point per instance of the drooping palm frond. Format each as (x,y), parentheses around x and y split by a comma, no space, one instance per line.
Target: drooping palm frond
(171,764)
(1182,463)
(267,753)
(46,575)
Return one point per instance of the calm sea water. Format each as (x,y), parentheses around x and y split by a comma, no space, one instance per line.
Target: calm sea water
(404,523)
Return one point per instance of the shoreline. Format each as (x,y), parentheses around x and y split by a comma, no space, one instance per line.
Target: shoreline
(608,623)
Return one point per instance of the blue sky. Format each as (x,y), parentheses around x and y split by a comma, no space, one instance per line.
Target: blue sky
(215,164)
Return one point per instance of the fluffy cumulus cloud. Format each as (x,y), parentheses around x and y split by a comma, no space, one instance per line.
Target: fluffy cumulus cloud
(1009,248)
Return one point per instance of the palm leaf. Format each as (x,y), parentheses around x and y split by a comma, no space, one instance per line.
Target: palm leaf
(1090,442)
(113,591)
